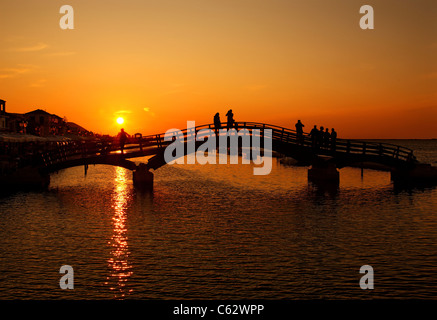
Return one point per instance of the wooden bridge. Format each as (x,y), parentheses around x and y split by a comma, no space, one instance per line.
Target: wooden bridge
(322,156)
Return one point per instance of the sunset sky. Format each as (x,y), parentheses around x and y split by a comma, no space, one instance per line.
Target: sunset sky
(159,63)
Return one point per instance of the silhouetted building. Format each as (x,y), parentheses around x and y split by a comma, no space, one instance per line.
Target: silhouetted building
(38,122)
(76,129)
(57,125)
(43,123)
(17,123)
(3,116)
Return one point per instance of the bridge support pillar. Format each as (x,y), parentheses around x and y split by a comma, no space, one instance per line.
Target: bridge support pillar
(142,177)
(324,172)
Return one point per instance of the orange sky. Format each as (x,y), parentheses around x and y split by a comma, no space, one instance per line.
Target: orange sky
(159,63)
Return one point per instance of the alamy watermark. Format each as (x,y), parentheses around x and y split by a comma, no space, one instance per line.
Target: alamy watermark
(366,281)
(67,280)
(67,20)
(251,144)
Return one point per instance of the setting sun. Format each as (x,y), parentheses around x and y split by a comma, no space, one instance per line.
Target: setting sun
(120,120)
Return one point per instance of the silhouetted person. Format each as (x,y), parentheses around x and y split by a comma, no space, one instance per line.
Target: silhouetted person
(122,136)
(333,139)
(231,121)
(314,134)
(217,123)
(299,131)
(327,137)
(320,139)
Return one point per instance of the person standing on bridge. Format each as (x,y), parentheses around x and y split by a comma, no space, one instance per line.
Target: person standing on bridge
(314,134)
(217,123)
(231,120)
(122,137)
(320,138)
(333,138)
(299,131)
(327,137)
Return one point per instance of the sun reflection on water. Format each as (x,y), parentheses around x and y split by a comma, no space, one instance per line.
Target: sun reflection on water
(120,269)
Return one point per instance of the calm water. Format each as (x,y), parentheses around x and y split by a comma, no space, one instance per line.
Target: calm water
(218,232)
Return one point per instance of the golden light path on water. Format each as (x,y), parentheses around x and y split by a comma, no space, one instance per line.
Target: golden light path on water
(120,269)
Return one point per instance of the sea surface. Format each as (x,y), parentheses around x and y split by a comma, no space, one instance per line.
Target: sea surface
(219,232)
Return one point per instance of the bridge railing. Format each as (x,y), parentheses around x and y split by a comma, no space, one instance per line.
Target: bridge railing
(377,149)
(75,149)
(351,146)
(286,136)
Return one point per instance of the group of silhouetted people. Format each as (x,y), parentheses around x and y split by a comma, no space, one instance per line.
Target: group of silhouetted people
(230,121)
(320,138)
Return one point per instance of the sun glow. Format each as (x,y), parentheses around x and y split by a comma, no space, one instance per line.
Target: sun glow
(120,120)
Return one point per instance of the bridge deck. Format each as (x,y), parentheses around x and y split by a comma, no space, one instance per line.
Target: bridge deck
(284,141)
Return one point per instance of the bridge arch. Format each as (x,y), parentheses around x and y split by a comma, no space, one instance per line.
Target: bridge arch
(108,160)
(284,141)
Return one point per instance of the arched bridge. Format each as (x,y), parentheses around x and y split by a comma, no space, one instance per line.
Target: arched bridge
(284,141)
